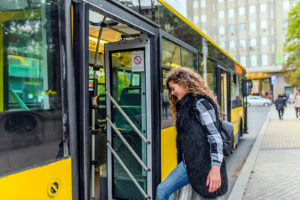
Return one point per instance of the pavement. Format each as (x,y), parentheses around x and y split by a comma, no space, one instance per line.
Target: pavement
(272,169)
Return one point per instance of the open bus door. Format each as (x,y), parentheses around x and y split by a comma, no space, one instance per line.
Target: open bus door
(247,85)
(129,122)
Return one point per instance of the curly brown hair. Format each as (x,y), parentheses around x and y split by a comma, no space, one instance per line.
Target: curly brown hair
(191,81)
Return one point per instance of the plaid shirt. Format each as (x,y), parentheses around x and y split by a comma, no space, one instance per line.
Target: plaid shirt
(207,117)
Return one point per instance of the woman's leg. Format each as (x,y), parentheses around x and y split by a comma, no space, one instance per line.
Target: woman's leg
(278,113)
(175,180)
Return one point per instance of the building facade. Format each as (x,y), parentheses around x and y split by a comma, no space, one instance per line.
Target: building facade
(253,32)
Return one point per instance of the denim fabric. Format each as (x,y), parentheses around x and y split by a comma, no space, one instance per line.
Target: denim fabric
(175,180)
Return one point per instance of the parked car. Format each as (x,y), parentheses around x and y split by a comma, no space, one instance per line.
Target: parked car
(258,101)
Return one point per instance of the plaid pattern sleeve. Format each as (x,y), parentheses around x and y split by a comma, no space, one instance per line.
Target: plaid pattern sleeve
(207,118)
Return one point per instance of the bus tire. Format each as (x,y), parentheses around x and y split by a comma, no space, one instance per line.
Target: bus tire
(240,129)
(239,135)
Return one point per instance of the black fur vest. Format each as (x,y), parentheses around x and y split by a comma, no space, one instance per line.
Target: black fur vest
(193,147)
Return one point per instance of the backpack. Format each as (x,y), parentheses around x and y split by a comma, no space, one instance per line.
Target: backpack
(225,128)
(226,131)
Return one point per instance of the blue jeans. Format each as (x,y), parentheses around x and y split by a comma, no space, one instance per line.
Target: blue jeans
(175,180)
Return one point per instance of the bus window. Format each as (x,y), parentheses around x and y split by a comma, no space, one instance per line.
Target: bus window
(200,64)
(211,76)
(30,95)
(170,54)
(236,90)
(189,59)
(166,117)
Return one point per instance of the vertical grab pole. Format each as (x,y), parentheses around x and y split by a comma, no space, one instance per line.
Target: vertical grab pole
(93,152)
(93,94)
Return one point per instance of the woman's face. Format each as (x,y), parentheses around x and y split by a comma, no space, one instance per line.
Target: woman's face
(177,90)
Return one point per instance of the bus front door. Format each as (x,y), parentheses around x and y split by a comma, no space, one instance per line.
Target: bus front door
(127,65)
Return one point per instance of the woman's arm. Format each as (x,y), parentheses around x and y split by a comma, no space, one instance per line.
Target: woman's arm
(208,119)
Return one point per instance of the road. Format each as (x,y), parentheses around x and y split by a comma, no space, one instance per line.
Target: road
(256,118)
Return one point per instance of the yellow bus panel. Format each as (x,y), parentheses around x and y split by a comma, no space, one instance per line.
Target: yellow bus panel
(52,181)
(236,115)
(168,151)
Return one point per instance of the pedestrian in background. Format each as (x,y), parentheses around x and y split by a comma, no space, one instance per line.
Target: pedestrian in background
(280,104)
(199,143)
(297,103)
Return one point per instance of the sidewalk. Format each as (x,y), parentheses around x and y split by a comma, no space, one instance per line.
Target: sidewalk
(275,171)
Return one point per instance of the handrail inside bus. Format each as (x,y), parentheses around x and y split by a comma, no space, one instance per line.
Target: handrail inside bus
(127,145)
(127,171)
(18,99)
(127,118)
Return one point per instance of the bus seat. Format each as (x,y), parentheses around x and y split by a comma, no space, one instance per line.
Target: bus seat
(130,98)
(130,102)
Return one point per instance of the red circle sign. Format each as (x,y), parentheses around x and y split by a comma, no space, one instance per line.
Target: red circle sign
(137,60)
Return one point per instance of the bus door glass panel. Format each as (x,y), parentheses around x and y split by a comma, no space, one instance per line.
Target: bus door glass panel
(166,116)
(128,88)
(224,94)
(30,85)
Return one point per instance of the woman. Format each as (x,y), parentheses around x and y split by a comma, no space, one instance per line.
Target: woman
(297,103)
(199,143)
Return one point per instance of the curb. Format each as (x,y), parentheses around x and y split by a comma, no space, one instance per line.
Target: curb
(240,185)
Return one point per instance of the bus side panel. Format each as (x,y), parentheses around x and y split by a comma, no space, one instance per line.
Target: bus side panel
(52,181)
(236,115)
(168,151)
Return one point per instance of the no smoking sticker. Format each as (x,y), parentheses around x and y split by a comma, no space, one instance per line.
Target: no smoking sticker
(138,61)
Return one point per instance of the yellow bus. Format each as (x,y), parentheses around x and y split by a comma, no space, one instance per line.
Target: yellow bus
(83,101)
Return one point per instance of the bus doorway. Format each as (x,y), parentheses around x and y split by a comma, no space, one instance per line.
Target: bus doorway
(224,95)
(128,127)
(120,119)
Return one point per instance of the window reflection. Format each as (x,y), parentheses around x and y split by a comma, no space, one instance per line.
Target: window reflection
(211,76)
(236,90)
(189,59)
(170,54)
(166,116)
(24,56)
(146,8)
(175,26)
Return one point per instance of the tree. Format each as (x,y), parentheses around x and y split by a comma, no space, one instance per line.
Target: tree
(292,47)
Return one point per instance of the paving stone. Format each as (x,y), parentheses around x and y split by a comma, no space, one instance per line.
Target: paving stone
(276,173)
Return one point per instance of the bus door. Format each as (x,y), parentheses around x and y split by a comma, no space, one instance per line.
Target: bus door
(127,65)
(224,95)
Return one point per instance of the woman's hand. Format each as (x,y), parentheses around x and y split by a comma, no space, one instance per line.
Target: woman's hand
(213,179)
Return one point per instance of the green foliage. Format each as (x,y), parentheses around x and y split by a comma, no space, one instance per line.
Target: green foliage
(292,47)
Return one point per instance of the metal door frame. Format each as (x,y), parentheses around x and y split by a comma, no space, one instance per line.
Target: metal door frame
(130,45)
